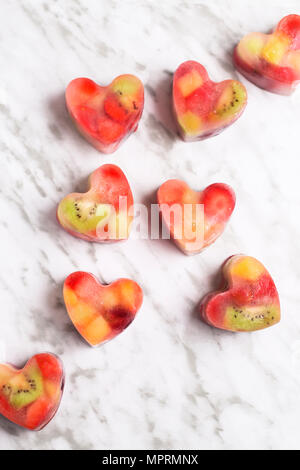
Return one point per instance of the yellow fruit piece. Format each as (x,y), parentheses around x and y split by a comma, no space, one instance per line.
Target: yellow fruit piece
(51,389)
(254,43)
(275,48)
(250,47)
(70,297)
(189,83)
(97,331)
(190,123)
(110,297)
(82,313)
(127,292)
(247,268)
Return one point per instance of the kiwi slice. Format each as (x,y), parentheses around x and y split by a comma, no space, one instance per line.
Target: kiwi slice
(126,88)
(83,215)
(251,318)
(126,85)
(231,100)
(23,388)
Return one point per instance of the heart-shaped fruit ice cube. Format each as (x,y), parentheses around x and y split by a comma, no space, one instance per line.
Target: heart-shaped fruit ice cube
(104,213)
(101,312)
(272,61)
(247,300)
(202,107)
(105,116)
(31,396)
(195,219)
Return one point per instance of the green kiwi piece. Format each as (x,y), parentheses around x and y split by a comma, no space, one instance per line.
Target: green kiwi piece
(251,318)
(231,100)
(82,214)
(24,388)
(126,88)
(125,85)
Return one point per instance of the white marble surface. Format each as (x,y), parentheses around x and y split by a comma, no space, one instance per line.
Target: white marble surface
(169,381)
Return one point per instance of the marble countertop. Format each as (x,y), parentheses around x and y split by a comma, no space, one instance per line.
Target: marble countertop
(169,381)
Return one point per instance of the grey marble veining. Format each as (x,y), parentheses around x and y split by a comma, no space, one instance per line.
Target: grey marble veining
(169,381)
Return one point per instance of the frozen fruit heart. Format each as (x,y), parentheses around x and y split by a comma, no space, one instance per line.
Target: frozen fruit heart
(102,214)
(105,116)
(195,219)
(202,107)
(247,300)
(100,312)
(272,61)
(31,396)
